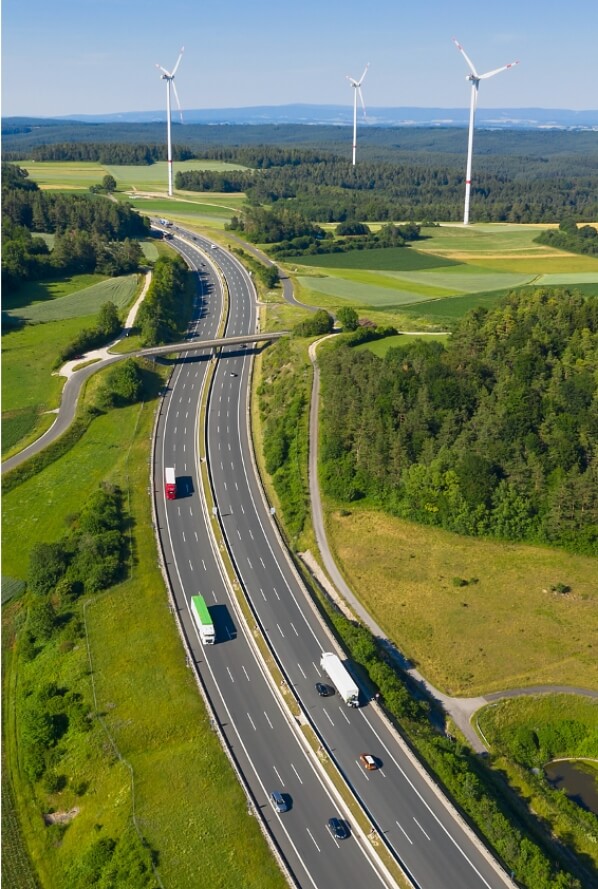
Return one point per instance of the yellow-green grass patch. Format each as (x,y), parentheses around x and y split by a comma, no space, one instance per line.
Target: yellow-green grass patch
(505,629)
(381,347)
(155,176)
(68,174)
(360,293)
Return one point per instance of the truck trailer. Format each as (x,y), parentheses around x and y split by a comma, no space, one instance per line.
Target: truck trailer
(203,621)
(170,483)
(341,678)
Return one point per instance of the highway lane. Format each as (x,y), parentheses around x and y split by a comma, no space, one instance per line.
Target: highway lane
(255,725)
(404,807)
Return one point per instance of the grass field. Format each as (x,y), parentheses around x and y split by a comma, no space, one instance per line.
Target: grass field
(87,301)
(186,798)
(504,629)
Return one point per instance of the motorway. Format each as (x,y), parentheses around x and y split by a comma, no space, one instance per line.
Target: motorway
(248,709)
(403,805)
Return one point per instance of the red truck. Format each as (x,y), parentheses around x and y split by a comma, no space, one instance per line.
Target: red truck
(170,483)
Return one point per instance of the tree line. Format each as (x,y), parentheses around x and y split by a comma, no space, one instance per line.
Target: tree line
(569,236)
(492,435)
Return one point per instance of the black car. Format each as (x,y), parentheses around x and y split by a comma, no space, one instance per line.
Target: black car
(324,690)
(338,828)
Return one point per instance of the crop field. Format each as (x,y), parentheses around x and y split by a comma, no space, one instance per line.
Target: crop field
(82,174)
(380,258)
(470,267)
(404,575)
(87,301)
(60,174)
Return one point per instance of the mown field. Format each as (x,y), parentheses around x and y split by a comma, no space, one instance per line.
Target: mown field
(505,627)
(86,301)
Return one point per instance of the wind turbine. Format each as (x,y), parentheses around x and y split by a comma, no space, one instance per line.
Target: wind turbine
(356,84)
(168,76)
(475,78)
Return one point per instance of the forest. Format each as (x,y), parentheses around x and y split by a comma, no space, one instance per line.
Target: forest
(402,173)
(492,435)
(92,234)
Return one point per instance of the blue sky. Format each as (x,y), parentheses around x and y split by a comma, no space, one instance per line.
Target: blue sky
(64,57)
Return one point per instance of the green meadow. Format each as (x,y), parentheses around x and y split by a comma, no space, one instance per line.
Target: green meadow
(87,301)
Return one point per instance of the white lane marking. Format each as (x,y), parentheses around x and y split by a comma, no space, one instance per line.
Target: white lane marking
(405,832)
(297,773)
(293,626)
(184,538)
(316,669)
(263,595)
(263,563)
(276,593)
(204,565)
(312,839)
(230,674)
(251,533)
(281,633)
(327,715)
(236,487)
(242,510)
(239,533)
(249,563)
(196,537)
(278,775)
(246,673)
(301,668)
(421,828)
(268,720)
(252,722)
(344,715)
(424,803)
(190,565)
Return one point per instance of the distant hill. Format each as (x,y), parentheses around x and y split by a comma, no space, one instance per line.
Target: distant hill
(342,115)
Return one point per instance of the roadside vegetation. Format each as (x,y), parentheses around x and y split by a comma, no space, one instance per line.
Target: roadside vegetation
(453,593)
(127,782)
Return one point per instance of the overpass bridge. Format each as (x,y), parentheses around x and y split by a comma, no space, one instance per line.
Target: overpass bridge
(215,345)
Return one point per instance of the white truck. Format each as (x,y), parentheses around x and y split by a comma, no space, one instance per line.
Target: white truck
(203,621)
(341,678)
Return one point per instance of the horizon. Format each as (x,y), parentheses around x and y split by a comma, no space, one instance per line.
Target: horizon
(241,57)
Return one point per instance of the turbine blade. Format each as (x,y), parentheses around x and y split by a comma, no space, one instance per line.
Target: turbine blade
(465,56)
(362,102)
(365,71)
(351,80)
(498,70)
(176,95)
(178,61)
(163,69)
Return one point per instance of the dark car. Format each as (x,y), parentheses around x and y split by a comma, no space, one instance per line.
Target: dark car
(338,828)
(324,690)
(278,801)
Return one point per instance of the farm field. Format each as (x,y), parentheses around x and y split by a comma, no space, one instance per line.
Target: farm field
(404,575)
(471,266)
(87,301)
(82,174)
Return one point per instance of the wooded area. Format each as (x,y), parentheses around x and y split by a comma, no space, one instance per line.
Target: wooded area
(493,434)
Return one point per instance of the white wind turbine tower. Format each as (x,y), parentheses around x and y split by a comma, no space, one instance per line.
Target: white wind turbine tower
(356,84)
(475,78)
(168,76)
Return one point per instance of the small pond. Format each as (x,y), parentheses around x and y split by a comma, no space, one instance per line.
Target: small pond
(578,779)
